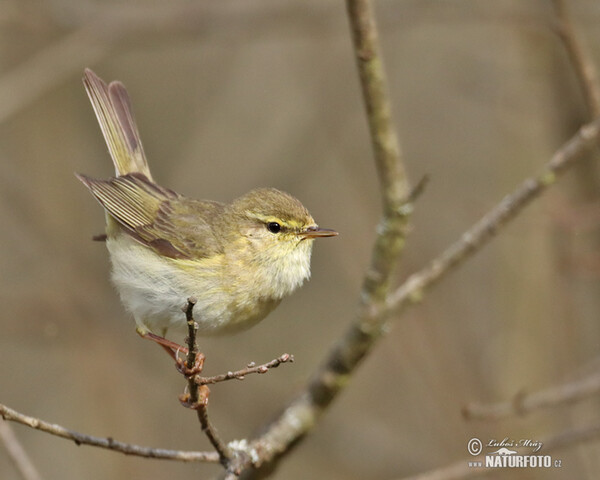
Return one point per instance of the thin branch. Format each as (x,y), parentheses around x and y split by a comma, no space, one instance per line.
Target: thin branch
(386,150)
(415,286)
(109,443)
(226,455)
(17,453)
(377,305)
(250,369)
(197,396)
(302,413)
(523,404)
(299,417)
(584,67)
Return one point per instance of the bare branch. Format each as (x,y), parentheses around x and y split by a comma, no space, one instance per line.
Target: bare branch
(241,374)
(17,453)
(197,396)
(299,417)
(413,289)
(386,149)
(108,443)
(523,404)
(302,413)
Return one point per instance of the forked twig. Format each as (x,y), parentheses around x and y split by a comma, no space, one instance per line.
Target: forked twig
(197,395)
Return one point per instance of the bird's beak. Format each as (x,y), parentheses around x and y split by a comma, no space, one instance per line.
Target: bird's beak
(315,232)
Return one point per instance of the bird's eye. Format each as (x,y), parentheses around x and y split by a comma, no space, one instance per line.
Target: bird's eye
(273,227)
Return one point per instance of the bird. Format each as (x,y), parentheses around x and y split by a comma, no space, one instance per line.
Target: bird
(237,259)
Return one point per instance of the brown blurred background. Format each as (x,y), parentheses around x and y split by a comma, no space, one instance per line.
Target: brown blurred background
(233,95)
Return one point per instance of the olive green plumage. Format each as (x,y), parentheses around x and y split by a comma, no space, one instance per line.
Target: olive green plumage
(239,259)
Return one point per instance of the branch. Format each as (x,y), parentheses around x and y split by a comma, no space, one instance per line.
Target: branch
(17,453)
(251,368)
(415,286)
(302,413)
(108,443)
(197,396)
(299,417)
(523,404)
(388,160)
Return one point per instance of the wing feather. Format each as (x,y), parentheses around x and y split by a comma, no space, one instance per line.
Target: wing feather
(151,214)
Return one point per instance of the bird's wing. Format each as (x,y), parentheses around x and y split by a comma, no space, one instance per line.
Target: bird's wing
(170,224)
(115,115)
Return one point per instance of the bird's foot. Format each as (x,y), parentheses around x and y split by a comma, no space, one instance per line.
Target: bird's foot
(195,369)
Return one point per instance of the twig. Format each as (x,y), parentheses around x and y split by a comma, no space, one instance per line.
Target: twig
(194,360)
(583,65)
(523,404)
(226,455)
(413,289)
(377,305)
(302,413)
(299,417)
(108,442)
(395,193)
(17,453)
(197,397)
(241,374)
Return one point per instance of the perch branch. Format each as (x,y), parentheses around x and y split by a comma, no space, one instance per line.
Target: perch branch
(376,304)
(106,442)
(523,404)
(197,396)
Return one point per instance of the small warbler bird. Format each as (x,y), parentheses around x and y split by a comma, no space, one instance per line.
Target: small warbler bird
(238,260)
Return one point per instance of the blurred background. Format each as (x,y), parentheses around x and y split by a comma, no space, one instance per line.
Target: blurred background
(234,95)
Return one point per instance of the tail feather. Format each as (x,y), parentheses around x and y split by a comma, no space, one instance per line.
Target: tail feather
(114,112)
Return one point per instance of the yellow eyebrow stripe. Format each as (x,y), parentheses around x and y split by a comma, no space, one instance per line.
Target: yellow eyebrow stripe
(291,224)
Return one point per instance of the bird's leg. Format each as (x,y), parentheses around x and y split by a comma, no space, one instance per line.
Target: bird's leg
(173,349)
(170,347)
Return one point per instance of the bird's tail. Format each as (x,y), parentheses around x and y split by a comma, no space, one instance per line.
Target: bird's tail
(115,115)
